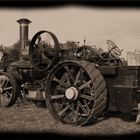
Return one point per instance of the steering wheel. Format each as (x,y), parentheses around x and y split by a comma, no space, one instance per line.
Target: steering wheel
(112,47)
(44,50)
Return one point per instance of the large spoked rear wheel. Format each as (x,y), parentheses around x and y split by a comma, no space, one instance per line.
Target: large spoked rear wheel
(8,90)
(75,92)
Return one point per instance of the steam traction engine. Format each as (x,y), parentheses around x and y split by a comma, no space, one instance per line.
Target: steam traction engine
(77,84)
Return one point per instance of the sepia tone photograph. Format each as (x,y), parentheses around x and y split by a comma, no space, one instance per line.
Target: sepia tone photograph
(70,70)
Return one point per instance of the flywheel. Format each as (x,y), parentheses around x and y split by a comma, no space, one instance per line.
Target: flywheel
(44,50)
(75,92)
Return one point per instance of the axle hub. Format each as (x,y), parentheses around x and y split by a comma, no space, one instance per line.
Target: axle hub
(71,93)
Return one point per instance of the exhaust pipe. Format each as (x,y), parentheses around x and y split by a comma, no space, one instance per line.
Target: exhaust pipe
(23,23)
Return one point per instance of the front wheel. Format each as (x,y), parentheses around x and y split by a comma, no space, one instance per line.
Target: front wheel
(8,90)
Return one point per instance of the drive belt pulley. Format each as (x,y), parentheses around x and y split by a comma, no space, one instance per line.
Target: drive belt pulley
(44,50)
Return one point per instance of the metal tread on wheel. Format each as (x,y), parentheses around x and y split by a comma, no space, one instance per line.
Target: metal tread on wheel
(8,89)
(75,92)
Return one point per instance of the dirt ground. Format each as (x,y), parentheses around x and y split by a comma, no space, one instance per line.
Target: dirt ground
(26,117)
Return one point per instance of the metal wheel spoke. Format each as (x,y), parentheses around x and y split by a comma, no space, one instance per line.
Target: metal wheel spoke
(87,97)
(82,107)
(6,83)
(7,88)
(62,105)
(72,107)
(64,110)
(65,78)
(5,98)
(55,97)
(8,93)
(77,77)
(81,75)
(60,89)
(86,105)
(85,84)
(2,83)
(69,73)
(60,82)
(1,100)
(76,113)
(68,79)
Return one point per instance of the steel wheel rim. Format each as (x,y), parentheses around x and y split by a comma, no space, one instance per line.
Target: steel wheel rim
(76,111)
(6,90)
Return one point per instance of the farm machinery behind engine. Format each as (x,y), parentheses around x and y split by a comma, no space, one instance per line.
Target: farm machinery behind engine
(77,84)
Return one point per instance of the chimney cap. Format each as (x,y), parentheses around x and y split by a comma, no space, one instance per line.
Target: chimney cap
(24,21)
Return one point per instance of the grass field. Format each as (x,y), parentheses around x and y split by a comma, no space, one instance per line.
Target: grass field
(29,118)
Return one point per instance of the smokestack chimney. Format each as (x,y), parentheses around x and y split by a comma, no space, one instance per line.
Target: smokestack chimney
(23,23)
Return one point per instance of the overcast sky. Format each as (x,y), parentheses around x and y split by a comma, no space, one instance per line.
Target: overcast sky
(74,23)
